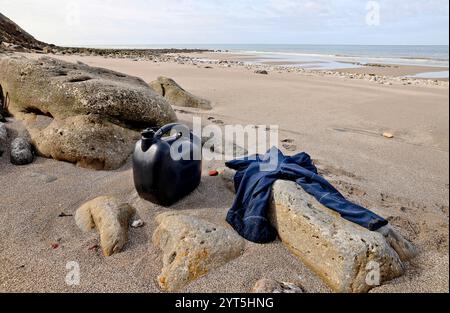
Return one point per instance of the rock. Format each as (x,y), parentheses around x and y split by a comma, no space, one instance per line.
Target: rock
(95,111)
(110,218)
(3,138)
(12,35)
(262,72)
(388,135)
(61,89)
(273,286)
(21,152)
(191,248)
(176,95)
(48,49)
(87,141)
(349,258)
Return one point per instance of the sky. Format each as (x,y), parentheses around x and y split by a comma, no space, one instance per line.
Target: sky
(140,22)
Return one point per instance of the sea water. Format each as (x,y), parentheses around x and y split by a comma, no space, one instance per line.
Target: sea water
(329,56)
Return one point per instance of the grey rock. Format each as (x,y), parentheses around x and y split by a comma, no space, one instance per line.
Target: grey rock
(348,257)
(21,152)
(262,72)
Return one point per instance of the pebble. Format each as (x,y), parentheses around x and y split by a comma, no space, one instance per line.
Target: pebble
(137,223)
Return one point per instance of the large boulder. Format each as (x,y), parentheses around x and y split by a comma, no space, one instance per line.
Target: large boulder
(348,257)
(85,140)
(176,95)
(61,89)
(191,248)
(96,111)
(110,217)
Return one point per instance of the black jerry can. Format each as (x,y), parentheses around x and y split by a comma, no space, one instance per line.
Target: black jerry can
(163,176)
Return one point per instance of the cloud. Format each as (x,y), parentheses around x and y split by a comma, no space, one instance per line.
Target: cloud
(240,21)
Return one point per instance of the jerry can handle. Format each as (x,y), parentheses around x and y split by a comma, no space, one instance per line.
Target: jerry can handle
(183,130)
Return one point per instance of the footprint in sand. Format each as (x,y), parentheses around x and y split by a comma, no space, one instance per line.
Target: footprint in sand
(218,122)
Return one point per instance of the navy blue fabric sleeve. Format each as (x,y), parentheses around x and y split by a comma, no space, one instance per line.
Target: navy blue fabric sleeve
(248,215)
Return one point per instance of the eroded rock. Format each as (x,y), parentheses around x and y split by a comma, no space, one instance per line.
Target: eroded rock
(348,257)
(61,89)
(110,217)
(176,95)
(191,248)
(85,140)
(96,111)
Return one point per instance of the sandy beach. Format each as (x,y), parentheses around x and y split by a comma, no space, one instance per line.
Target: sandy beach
(337,120)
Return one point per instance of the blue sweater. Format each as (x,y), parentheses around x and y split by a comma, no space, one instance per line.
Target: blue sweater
(253,183)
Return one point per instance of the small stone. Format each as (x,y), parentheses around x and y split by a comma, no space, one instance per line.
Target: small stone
(55,246)
(388,135)
(262,72)
(62,214)
(137,223)
(21,152)
(94,247)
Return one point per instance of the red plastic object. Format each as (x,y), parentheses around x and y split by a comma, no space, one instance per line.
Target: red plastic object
(213,173)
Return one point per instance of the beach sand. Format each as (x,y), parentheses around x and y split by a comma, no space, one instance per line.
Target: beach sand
(338,122)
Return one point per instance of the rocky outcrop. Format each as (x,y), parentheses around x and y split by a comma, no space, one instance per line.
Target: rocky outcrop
(12,35)
(110,217)
(86,140)
(96,111)
(176,95)
(273,286)
(347,257)
(21,152)
(191,248)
